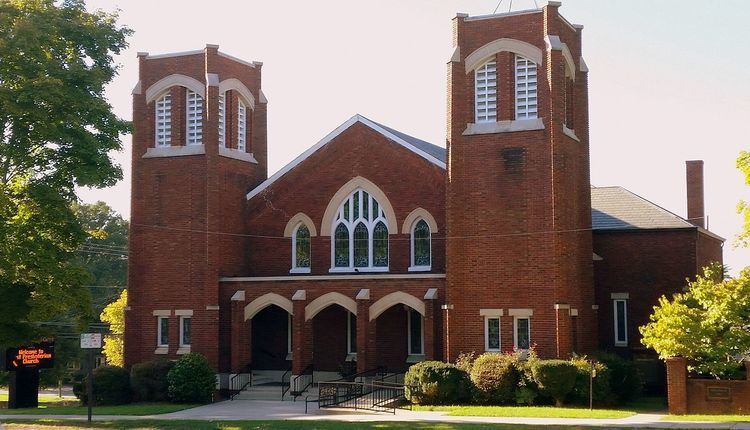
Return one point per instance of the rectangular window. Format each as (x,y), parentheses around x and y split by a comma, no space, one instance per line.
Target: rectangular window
(162,331)
(241,126)
(289,334)
(415,333)
(621,322)
(185,331)
(526,96)
(492,334)
(194,118)
(163,121)
(485,87)
(222,121)
(522,333)
(351,346)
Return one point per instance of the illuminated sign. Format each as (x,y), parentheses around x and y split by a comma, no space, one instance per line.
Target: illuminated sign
(38,356)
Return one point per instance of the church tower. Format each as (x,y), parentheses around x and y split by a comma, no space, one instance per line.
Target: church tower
(199,144)
(518,206)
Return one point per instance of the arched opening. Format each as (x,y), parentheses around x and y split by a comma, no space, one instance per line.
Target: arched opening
(333,317)
(270,323)
(399,326)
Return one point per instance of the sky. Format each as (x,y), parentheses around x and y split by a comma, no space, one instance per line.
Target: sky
(669,81)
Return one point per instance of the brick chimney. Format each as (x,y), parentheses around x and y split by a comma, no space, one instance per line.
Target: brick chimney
(696,213)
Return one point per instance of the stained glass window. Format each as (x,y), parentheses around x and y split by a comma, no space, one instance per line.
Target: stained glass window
(523,335)
(184,331)
(415,332)
(360,226)
(361,246)
(302,247)
(342,246)
(421,238)
(493,334)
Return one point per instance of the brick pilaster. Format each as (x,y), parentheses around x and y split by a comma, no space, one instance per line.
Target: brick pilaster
(677,385)
(241,349)
(563,324)
(365,333)
(302,341)
(430,321)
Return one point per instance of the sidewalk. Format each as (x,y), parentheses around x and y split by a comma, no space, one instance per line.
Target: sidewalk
(273,410)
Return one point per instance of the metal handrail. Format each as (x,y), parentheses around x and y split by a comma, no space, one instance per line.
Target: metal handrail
(285,386)
(308,371)
(240,381)
(354,376)
(375,396)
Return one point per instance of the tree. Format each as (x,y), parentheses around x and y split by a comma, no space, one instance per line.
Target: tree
(56,132)
(743,207)
(709,324)
(114,314)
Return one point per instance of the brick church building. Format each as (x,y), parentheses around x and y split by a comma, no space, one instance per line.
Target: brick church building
(375,248)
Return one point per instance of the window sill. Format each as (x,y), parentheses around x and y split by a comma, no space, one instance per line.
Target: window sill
(570,133)
(162,350)
(493,351)
(357,270)
(352,356)
(420,268)
(621,344)
(237,154)
(503,126)
(174,151)
(183,350)
(300,270)
(288,356)
(415,358)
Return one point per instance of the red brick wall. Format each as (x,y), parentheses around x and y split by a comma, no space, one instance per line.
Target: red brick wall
(647,265)
(408,180)
(502,212)
(186,210)
(691,396)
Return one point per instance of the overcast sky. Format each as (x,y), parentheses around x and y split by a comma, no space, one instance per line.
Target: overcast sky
(669,80)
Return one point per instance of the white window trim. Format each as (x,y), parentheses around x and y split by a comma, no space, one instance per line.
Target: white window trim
(350,225)
(625,317)
(159,333)
(223,120)
(487,319)
(167,141)
(182,321)
(413,267)
(294,268)
(526,62)
(198,119)
(515,331)
(349,350)
(408,332)
(241,126)
(489,96)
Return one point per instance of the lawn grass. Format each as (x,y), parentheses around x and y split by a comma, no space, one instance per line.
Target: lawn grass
(263,425)
(708,418)
(47,399)
(132,409)
(527,412)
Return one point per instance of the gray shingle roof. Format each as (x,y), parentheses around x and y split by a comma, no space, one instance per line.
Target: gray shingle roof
(434,150)
(615,208)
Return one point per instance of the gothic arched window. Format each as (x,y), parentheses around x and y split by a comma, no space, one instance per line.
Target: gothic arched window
(360,238)
(301,248)
(421,253)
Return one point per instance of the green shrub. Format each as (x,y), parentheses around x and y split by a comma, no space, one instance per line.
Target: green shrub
(436,383)
(625,380)
(111,386)
(465,361)
(495,379)
(555,378)
(603,395)
(527,391)
(149,380)
(191,380)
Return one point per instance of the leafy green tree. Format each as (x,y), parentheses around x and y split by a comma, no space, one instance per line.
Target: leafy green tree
(114,314)
(56,132)
(743,207)
(709,324)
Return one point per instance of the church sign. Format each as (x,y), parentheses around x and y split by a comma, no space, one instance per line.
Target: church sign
(37,356)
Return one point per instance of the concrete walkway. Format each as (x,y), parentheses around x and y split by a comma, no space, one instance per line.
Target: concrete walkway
(275,410)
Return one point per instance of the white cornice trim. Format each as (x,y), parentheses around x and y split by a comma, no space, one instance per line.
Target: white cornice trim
(252,64)
(498,15)
(171,54)
(174,151)
(332,135)
(363,277)
(172,80)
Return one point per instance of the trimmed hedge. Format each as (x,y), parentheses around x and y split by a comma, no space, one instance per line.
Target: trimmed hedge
(149,380)
(436,383)
(191,380)
(111,386)
(556,378)
(601,383)
(495,378)
(626,382)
